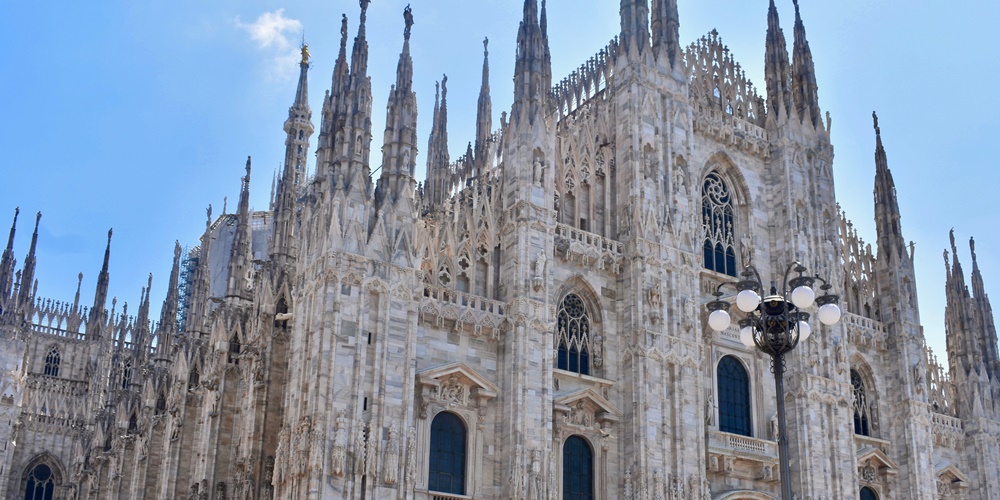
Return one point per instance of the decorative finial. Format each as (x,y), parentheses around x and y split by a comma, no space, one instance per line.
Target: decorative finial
(248,167)
(486,46)
(364,6)
(972,246)
(110,231)
(951,236)
(796,4)
(408,19)
(305,53)
(875,119)
(343,29)
(38,217)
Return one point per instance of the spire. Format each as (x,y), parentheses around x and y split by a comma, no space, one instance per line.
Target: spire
(983,312)
(887,219)
(97,312)
(142,317)
(239,256)
(438,162)
(359,54)
(532,67)
(484,116)
(804,87)
(776,70)
(25,294)
(400,145)
(168,313)
(334,101)
(635,25)
(665,27)
(7,262)
(298,129)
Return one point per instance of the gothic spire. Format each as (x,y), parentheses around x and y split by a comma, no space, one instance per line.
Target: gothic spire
(635,25)
(400,144)
(97,313)
(532,67)
(887,219)
(984,317)
(298,129)
(359,54)
(438,161)
(7,262)
(25,293)
(168,313)
(484,116)
(804,87)
(239,256)
(665,27)
(776,70)
(334,101)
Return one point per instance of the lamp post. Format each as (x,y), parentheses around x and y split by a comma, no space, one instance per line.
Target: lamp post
(775,324)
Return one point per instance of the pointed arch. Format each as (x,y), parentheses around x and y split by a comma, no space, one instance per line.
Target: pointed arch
(724,214)
(577,338)
(865,398)
(42,475)
(52,362)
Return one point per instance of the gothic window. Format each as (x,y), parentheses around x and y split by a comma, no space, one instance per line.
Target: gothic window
(447,460)
(41,484)
(717,218)
(862,406)
(868,494)
(133,424)
(52,361)
(126,374)
(734,397)
(578,470)
(573,338)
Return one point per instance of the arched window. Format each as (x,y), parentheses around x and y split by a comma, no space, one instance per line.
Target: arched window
(52,361)
(862,405)
(734,397)
(447,460)
(573,339)
(578,470)
(717,218)
(133,424)
(41,484)
(868,494)
(126,374)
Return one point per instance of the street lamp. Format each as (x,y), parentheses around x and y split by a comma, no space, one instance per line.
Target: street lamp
(775,324)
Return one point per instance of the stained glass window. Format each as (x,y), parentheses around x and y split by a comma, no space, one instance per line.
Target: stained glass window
(734,397)
(573,339)
(40,484)
(578,470)
(447,461)
(717,222)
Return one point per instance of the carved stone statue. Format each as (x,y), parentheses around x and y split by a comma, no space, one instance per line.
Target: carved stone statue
(773,426)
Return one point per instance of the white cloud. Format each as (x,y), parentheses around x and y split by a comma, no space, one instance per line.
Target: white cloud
(271,32)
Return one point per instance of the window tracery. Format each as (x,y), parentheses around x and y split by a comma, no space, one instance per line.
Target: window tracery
(864,405)
(574,342)
(717,217)
(41,483)
(52,361)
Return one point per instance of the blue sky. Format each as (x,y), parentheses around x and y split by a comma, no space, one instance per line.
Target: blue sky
(137,115)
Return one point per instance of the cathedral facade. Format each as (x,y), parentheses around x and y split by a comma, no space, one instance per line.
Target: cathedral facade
(527,322)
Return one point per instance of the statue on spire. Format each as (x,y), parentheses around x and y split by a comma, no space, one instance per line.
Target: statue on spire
(408,19)
(305,53)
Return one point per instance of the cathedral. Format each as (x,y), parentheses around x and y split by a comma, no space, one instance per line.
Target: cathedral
(527,322)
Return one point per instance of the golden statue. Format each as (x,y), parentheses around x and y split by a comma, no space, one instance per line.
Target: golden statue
(305,53)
